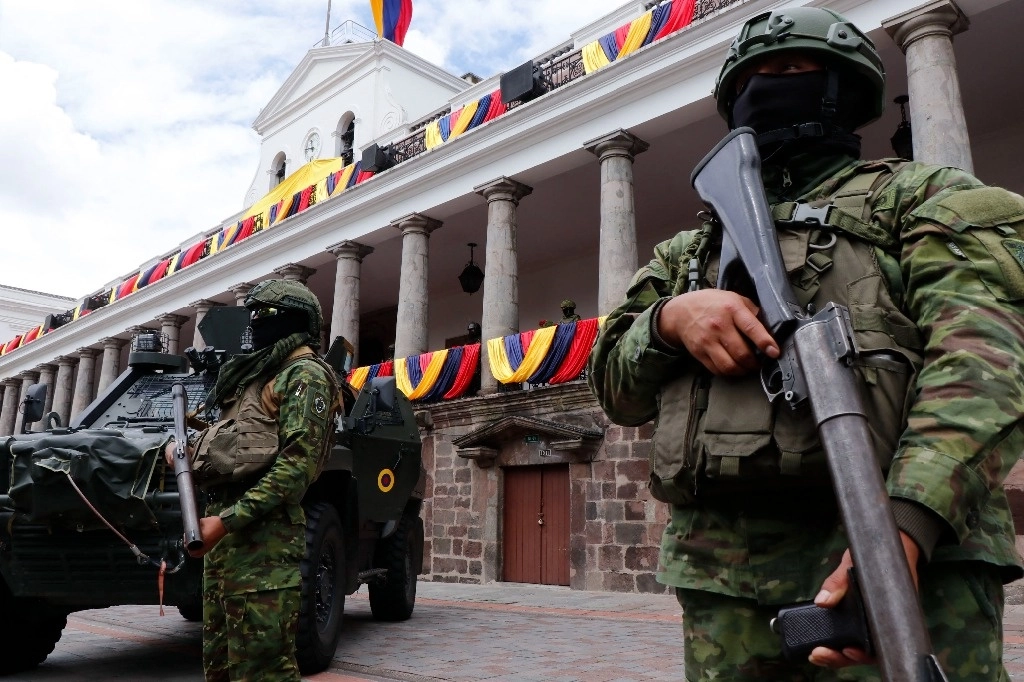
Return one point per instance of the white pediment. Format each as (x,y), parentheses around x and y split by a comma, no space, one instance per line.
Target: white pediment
(337,68)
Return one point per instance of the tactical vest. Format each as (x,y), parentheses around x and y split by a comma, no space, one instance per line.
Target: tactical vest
(719,436)
(244,442)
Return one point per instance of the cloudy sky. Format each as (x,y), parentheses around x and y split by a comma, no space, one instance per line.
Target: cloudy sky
(125,124)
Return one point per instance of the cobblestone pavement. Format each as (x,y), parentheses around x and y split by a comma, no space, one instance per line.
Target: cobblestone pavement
(498,632)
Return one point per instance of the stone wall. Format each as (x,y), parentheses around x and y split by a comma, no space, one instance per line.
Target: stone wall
(615,526)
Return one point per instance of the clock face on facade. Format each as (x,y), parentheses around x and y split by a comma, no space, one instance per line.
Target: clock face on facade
(312,146)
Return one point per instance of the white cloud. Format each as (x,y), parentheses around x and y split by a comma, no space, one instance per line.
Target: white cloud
(126,125)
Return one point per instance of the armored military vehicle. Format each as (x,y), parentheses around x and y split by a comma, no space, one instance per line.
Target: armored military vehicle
(90,514)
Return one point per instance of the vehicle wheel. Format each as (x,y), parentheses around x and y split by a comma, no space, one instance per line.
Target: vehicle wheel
(193,613)
(402,554)
(29,631)
(323,589)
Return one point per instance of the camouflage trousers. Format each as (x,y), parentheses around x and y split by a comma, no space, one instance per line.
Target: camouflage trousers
(250,636)
(728,638)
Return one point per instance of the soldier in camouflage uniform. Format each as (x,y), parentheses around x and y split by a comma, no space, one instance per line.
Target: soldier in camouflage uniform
(277,409)
(568,307)
(930,263)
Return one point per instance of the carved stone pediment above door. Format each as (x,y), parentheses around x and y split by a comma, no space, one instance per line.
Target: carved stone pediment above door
(524,441)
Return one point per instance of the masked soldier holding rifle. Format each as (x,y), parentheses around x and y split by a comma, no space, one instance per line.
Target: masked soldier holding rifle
(929,264)
(277,409)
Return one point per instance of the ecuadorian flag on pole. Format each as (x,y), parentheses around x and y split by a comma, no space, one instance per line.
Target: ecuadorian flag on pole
(392,18)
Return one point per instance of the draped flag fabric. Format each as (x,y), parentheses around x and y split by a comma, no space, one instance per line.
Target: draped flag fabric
(392,18)
(358,377)
(551,355)
(471,115)
(651,26)
(440,375)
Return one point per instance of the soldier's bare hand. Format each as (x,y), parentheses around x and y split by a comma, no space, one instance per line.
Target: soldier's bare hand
(832,592)
(212,530)
(717,327)
(169,453)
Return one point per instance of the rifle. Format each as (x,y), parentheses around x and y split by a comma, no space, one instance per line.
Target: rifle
(815,364)
(183,472)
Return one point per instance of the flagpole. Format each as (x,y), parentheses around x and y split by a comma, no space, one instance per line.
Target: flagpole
(327,28)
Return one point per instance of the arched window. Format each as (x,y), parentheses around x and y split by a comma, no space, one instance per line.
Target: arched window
(278,170)
(346,134)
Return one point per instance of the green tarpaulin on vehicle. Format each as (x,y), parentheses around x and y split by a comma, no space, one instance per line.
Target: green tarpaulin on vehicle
(112,471)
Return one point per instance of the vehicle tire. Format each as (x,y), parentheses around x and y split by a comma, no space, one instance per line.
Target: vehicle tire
(323,589)
(193,613)
(402,554)
(29,630)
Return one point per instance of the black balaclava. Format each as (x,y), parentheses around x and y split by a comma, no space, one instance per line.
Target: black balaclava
(796,112)
(267,331)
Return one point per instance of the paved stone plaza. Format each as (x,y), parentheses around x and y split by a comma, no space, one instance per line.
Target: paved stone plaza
(496,632)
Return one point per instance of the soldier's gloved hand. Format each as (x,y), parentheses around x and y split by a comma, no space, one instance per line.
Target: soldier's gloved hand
(719,328)
(832,592)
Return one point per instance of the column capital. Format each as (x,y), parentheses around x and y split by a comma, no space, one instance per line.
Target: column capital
(617,143)
(941,17)
(65,361)
(10,382)
(28,375)
(503,189)
(46,367)
(295,272)
(134,330)
(87,352)
(112,342)
(240,291)
(171,319)
(416,223)
(204,304)
(350,250)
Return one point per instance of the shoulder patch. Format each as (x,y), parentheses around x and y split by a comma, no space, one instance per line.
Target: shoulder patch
(886,200)
(317,405)
(1016,249)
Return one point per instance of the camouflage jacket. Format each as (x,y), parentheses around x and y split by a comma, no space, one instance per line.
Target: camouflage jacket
(266,523)
(959,248)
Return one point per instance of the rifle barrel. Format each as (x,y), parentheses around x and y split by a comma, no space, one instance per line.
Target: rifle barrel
(183,473)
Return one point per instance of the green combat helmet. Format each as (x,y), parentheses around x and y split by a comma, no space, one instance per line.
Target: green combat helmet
(285,293)
(567,303)
(823,33)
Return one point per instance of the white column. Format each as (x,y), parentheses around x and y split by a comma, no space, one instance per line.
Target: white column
(46,376)
(63,389)
(501,268)
(170,328)
(617,260)
(83,382)
(110,365)
(27,379)
(345,312)
(9,412)
(413,310)
(933,83)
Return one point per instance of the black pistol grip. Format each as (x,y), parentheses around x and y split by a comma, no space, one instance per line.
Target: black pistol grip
(806,626)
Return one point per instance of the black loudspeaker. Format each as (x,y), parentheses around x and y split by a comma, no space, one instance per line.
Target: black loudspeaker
(521,83)
(376,159)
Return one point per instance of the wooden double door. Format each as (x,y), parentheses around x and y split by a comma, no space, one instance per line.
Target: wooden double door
(536,525)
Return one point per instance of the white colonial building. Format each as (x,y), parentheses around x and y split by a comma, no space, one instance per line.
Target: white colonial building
(563,190)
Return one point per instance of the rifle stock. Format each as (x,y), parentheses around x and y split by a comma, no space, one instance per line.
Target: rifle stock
(815,365)
(183,472)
